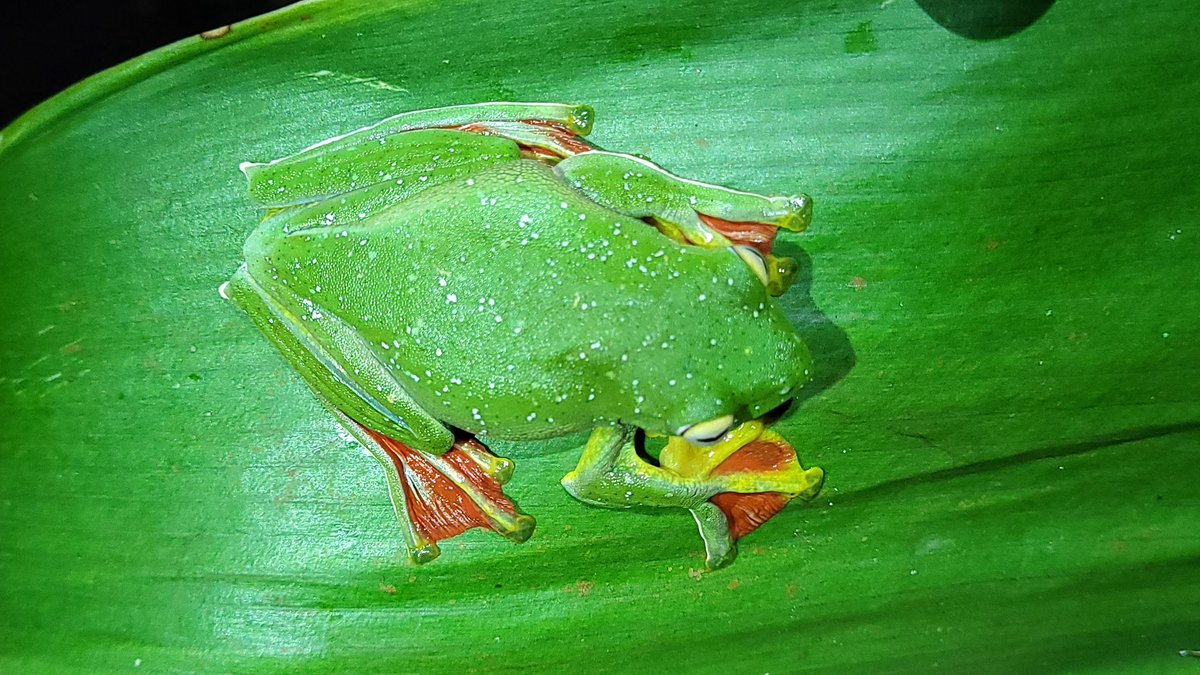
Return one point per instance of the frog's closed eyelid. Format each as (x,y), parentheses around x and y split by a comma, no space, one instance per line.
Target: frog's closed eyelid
(707,432)
(755,261)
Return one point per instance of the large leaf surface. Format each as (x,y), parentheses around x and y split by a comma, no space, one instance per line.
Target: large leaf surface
(1001,292)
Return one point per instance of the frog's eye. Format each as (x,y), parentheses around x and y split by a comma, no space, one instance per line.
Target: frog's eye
(755,261)
(707,433)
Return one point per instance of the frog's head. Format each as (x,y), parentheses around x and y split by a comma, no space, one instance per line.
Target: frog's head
(747,375)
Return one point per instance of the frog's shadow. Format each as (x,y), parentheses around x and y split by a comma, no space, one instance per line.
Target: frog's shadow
(833,356)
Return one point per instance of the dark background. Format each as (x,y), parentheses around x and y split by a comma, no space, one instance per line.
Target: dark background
(50,45)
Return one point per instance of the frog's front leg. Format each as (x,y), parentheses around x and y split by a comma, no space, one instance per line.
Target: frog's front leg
(692,212)
(440,485)
(730,487)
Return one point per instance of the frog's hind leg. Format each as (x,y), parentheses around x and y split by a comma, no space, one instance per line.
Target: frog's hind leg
(691,212)
(440,485)
(415,150)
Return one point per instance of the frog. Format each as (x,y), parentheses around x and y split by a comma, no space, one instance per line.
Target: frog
(449,276)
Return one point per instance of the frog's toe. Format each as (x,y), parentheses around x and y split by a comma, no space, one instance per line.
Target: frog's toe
(497,467)
(439,497)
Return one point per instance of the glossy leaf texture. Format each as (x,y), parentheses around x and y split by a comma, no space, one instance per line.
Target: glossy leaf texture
(1000,288)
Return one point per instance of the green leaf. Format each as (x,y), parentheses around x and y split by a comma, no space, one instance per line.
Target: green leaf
(1002,296)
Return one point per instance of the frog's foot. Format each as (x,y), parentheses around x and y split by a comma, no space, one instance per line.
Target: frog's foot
(730,487)
(750,458)
(438,497)
(694,213)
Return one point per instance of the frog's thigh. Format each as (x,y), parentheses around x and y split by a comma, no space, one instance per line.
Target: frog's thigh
(325,352)
(414,140)
(407,161)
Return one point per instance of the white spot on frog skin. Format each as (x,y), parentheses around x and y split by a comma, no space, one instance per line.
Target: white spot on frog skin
(437,352)
(223,290)
(441,281)
(451,298)
(562,205)
(470,182)
(499,318)
(702,297)
(531,417)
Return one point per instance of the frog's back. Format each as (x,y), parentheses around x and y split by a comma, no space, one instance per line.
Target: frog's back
(511,305)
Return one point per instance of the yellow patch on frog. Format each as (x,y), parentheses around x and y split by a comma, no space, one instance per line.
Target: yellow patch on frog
(748,459)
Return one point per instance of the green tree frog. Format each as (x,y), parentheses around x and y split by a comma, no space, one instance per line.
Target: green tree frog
(453,275)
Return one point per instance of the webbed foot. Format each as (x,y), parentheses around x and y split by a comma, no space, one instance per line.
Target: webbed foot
(750,457)
(438,497)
